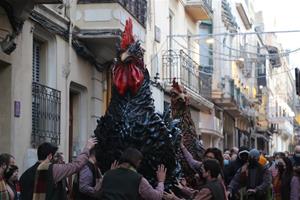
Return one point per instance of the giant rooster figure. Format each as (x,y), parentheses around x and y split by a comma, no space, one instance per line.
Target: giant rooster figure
(131,121)
(181,110)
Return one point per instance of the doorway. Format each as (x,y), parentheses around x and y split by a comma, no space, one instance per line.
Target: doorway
(77,119)
(5,107)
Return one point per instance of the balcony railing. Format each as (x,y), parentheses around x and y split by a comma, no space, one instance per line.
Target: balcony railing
(46,103)
(206,3)
(186,71)
(137,8)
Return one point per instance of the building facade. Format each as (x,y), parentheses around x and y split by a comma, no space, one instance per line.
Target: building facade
(55,71)
(234,85)
(174,51)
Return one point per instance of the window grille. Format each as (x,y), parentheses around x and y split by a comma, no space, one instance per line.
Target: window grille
(46,104)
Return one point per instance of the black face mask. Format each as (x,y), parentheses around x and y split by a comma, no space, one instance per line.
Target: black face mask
(243,157)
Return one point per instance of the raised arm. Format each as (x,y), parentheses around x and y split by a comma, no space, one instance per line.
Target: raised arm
(61,171)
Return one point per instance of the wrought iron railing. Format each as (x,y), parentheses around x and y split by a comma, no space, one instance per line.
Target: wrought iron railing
(208,4)
(46,104)
(190,74)
(138,8)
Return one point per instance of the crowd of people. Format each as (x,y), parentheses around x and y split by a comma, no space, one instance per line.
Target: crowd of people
(236,174)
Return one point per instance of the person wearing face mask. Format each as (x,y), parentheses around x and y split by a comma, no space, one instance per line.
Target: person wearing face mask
(281,183)
(295,182)
(253,177)
(4,195)
(213,188)
(226,160)
(235,165)
(11,178)
(45,180)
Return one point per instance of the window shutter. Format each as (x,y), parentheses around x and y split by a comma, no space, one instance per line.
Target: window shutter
(36,56)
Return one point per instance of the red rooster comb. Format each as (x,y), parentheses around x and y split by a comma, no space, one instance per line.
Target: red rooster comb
(127,36)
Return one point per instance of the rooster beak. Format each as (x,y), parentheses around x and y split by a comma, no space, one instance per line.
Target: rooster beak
(124,56)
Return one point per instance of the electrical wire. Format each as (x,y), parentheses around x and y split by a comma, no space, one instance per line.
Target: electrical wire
(233,34)
(273,74)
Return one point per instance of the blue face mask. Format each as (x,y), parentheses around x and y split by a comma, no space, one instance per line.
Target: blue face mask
(226,162)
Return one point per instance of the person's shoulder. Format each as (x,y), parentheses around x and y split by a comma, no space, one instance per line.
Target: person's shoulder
(32,168)
(29,171)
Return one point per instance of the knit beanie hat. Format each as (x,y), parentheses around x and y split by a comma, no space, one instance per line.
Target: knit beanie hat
(243,149)
(254,153)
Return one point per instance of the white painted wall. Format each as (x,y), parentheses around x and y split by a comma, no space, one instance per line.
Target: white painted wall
(159,17)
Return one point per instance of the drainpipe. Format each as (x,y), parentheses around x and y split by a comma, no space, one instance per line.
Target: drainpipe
(67,70)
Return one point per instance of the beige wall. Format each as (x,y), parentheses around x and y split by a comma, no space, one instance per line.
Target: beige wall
(16,79)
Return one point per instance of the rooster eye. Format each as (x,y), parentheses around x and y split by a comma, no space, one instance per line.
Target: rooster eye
(173,94)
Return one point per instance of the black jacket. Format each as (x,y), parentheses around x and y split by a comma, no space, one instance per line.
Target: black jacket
(231,169)
(27,182)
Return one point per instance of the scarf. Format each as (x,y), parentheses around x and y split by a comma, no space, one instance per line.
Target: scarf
(40,183)
(3,190)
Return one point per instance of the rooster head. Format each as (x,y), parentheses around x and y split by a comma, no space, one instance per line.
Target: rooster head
(179,96)
(128,72)
(129,47)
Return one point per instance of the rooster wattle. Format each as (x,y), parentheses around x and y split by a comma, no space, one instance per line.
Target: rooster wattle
(131,120)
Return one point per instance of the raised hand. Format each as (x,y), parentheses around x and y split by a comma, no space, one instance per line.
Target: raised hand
(170,196)
(161,173)
(114,165)
(91,143)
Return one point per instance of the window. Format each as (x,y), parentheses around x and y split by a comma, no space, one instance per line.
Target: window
(45,100)
(206,49)
(171,26)
(154,66)
(39,55)
(36,61)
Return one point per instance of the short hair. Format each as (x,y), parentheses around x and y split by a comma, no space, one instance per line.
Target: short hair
(2,160)
(6,157)
(213,166)
(45,149)
(10,171)
(217,153)
(131,156)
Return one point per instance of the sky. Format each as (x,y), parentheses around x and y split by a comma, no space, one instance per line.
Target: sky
(282,15)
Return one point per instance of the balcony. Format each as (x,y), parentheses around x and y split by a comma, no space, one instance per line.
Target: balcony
(199,9)
(101,23)
(233,100)
(46,104)
(284,124)
(195,78)
(211,125)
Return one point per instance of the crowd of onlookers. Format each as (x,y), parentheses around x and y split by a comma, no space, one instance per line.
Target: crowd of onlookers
(239,173)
